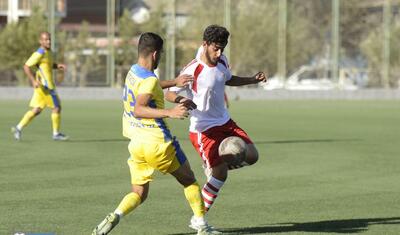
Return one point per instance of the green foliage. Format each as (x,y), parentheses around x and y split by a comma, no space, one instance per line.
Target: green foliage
(128,32)
(158,24)
(304,42)
(356,23)
(81,55)
(372,47)
(19,40)
(254,37)
(126,51)
(254,34)
(190,37)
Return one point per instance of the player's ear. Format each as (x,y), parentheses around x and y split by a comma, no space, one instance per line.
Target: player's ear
(154,55)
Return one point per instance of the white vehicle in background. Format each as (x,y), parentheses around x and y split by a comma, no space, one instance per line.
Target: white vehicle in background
(315,78)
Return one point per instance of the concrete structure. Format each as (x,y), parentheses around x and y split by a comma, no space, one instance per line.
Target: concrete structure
(89,93)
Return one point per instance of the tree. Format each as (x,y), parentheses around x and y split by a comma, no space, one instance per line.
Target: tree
(372,49)
(254,34)
(82,55)
(128,32)
(18,41)
(189,37)
(126,51)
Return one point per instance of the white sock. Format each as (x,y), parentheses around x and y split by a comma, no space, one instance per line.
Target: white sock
(119,213)
(210,191)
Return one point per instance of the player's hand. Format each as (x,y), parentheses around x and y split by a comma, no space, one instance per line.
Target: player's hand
(61,66)
(188,103)
(179,111)
(260,77)
(36,84)
(183,80)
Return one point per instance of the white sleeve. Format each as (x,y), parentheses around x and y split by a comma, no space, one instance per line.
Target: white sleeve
(228,72)
(187,70)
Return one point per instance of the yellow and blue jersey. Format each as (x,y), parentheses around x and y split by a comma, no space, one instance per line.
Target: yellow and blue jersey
(43,60)
(142,81)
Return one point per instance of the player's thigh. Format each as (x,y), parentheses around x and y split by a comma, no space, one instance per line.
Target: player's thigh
(141,171)
(165,157)
(38,99)
(53,101)
(206,144)
(141,190)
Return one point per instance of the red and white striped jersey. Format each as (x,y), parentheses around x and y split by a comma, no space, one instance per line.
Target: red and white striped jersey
(207,92)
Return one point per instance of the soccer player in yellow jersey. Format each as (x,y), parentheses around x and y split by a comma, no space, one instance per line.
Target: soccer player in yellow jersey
(152,145)
(44,94)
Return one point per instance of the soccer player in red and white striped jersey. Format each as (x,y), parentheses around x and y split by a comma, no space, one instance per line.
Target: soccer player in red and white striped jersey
(210,122)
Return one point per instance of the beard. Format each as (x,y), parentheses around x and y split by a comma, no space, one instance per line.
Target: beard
(210,60)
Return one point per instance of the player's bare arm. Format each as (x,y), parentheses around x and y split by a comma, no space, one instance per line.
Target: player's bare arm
(240,81)
(35,83)
(180,81)
(142,109)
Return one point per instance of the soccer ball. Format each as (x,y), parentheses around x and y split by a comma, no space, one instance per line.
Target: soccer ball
(233,150)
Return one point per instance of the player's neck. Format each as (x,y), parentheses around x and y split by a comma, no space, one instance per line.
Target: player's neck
(146,63)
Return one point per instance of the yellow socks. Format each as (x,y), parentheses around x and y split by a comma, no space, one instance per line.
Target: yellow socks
(193,196)
(128,204)
(26,119)
(55,120)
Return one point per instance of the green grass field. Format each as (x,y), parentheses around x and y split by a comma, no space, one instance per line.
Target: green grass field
(325,167)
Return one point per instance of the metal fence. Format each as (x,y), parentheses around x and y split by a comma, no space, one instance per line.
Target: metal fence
(308,44)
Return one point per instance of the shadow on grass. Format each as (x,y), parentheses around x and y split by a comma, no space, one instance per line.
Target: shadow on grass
(328,226)
(256,142)
(96,140)
(305,141)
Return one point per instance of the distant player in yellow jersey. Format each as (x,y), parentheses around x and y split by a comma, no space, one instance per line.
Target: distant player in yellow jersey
(44,94)
(152,145)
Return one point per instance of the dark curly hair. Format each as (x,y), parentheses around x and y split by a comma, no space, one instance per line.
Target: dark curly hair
(216,34)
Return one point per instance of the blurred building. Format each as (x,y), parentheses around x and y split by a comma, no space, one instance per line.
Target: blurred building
(13,10)
(73,12)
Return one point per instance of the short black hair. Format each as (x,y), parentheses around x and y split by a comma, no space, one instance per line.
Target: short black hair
(216,34)
(149,42)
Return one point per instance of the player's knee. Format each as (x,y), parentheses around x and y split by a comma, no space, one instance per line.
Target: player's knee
(142,191)
(37,111)
(184,175)
(143,197)
(187,179)
(57,109)
(252,154)
(220,172)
